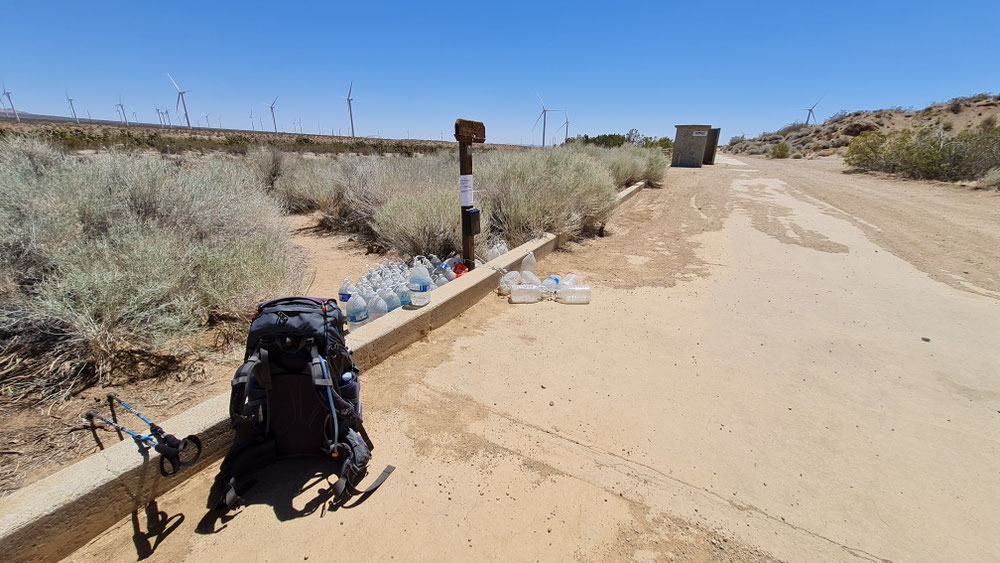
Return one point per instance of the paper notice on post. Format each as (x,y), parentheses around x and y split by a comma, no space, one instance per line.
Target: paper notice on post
(465,184)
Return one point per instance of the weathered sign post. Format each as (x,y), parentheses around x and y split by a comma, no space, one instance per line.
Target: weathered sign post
(466,133)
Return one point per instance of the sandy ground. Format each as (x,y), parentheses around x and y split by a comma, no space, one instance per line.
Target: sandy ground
(773,366)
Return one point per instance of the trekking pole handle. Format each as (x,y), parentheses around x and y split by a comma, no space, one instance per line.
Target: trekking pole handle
(114,397)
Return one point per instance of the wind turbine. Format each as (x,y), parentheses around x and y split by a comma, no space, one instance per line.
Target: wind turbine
(252,128)
(72,109)
(350,112)
(3,105)
(166,113)
(220,122)
(122,108)
(7,93)
(543,117)
(159,115)
(208,124)
(566,125)
(181,100)
(273,120)
(810,110)
(135,120)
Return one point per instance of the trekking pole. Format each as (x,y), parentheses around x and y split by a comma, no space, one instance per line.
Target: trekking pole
(170,448)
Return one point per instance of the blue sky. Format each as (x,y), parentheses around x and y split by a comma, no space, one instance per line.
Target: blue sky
(744,66)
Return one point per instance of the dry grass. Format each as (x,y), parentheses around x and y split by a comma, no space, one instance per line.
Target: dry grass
(107,260)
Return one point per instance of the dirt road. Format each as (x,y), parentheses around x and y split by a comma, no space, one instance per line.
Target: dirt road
(780,361)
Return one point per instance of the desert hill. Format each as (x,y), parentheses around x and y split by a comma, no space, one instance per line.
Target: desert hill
(833,135)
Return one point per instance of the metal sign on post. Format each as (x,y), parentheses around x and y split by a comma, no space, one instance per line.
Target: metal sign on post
(466,133)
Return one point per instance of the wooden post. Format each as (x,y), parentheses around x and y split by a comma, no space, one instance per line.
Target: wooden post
(466,133)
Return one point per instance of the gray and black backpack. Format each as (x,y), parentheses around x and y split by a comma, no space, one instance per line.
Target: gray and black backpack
(297,394)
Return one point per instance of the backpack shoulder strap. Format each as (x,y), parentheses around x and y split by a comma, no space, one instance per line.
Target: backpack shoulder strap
(258,368)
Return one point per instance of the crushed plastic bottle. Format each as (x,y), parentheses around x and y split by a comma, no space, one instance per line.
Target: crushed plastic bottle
(570,279)
(419,285)
(527,276)
(528,263)
(346,290)
(357,311)
(525,293)
(377,308)
(509,280)
(576,294)
(551,285)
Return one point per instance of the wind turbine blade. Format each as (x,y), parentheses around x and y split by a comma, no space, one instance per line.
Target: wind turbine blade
(537,120)
(173,82)
(275,101)
(540,99)
(350,89)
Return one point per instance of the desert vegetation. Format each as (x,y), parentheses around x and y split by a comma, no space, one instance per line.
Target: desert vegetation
(833,136)
(113,263)
(107,260)
(930,154)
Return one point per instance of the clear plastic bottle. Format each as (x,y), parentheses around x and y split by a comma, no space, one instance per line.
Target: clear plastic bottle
(528,263)
(419,285)
(577,294)
(493,253)
(377,308)
(357,311)
(525,293)
(570,279)
(346,290)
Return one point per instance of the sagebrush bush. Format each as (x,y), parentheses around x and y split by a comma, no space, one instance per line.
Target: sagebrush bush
(781,150)
(409,205)
(991,179)
(927,153)
(308,184)
(110,258)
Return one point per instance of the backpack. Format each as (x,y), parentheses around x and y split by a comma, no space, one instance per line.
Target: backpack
(297,394)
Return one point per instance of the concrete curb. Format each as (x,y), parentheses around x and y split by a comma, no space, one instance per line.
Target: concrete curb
(53,517)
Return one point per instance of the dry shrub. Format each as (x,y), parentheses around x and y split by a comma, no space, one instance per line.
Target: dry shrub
(113,257)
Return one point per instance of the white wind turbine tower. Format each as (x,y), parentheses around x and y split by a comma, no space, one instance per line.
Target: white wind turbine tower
(159,115)
(135,120)
(810,113)
(121,109)
(181,100)
(7,93)
(542,116)
(166,114)
(350,112)
(72,109)
(252,128)
(208,124)
(273,120)
(3,105)
(565,125)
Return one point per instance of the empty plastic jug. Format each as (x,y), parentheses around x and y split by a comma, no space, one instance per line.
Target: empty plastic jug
(525,293)
(528,276)
(577,294)
(528,263)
